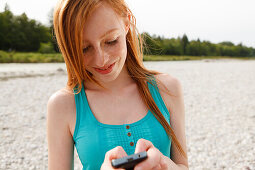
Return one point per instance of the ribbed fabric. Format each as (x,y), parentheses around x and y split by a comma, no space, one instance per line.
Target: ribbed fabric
(93,138)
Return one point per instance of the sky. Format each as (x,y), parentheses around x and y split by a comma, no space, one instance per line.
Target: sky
(211,20)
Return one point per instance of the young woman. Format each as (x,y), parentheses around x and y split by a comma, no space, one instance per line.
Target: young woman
(112,106)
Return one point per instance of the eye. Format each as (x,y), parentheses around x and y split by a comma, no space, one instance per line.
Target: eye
(84,50)
(112,42)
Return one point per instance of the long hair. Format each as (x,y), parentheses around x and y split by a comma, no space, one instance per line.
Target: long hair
(69,20)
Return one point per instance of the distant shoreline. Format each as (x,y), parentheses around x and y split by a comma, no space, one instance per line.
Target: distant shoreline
(31,57)
(28,70)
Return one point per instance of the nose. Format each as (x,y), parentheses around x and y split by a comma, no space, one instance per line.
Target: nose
(101,58)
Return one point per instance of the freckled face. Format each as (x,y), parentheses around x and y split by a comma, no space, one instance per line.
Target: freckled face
(104,43)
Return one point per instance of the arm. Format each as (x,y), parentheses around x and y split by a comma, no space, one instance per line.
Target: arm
(177,111)
(60,141)
(171,165)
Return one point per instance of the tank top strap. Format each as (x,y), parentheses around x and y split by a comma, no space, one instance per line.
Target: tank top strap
(154,90)
(81,108)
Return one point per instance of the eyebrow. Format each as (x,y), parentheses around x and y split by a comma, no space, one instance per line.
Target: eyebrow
(108,32)
(105,34)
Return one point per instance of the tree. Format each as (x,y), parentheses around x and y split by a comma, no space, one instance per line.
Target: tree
(184,43)
(152,45)
(227,43)
(53,37)
(19,33)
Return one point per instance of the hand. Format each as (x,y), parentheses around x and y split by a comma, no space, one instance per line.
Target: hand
(155,159)
(115,153)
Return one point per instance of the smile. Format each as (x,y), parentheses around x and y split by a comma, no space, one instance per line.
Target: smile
(105,71)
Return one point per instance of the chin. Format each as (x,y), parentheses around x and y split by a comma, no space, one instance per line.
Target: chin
(107,78)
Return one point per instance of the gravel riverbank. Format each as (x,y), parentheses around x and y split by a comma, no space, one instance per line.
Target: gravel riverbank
(219,106)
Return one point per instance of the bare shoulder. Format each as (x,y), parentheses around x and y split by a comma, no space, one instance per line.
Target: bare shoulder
(170,90)
(61,105)
(60,97)
(169,83)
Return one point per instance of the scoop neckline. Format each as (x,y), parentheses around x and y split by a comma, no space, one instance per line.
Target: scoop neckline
(111,125)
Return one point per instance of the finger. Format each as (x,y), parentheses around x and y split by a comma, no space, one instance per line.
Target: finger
(157,167)
(115,153)
(143,145)
(152,161)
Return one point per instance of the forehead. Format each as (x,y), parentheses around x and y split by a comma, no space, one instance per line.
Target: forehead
(101,20)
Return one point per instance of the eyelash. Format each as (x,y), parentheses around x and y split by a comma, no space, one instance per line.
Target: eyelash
(84,50)
(108,43)
(112,42)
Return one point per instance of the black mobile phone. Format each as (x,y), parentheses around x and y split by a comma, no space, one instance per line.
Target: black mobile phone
(129,162)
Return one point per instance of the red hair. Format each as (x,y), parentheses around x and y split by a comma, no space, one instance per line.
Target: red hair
(69,19)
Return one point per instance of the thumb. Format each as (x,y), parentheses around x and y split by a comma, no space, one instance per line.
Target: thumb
(115,153)
(143,145)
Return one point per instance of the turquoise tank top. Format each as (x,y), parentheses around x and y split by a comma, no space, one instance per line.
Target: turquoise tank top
(93,139)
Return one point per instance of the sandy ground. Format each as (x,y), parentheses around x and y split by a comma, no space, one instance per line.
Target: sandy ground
(219,103)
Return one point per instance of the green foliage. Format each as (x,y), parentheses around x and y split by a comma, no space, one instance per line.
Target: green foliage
(46,48)
(19,33)
(184,43)
(23,57)
(152,44)
(182,46)
(181,58)
(51,29)
(5,57)
(226,43)
(37,58)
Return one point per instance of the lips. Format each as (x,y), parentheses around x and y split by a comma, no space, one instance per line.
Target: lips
(105,70)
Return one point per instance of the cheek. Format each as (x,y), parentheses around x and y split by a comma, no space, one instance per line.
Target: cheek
(124,49)
(86,63)
(119,50)
(86,60)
